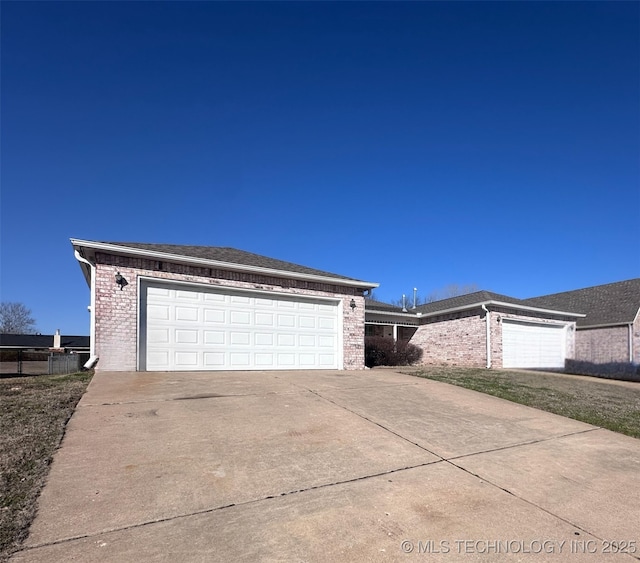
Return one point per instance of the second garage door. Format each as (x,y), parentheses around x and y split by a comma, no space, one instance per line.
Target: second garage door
(529,345)
(192,328)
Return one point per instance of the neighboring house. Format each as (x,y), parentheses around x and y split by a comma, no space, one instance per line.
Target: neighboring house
(480,329)
(160,307)
(76,344)
(610,331)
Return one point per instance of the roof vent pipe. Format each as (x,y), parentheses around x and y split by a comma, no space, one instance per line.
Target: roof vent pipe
(404,303)
(415,297)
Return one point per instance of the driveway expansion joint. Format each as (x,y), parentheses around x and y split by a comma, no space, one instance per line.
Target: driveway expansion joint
(527,443)
(379,425)
(226,506)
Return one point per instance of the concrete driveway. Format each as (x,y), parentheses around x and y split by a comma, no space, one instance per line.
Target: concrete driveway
(329,466)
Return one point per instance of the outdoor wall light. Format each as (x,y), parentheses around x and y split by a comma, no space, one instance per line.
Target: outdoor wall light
(121,281)
(352,304)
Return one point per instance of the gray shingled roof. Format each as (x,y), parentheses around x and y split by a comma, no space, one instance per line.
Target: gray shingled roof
(466,300)
(373,305)
(612,303)
(229,255)
(42,341)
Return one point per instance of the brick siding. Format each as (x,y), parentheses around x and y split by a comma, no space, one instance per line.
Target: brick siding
(607,344)
(457,339)
(460,339)
(117,311)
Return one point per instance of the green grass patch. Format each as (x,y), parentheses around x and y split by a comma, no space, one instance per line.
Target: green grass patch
(608,405)
(33,416)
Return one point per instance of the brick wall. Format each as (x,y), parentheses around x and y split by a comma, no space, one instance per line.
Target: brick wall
(604,345)
(117,311)
(457,339)
(539,318)
(460,339)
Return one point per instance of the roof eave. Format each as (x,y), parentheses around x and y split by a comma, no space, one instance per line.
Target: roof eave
(393,313)
(501,304)
(165,256)
(537,309)
(605,325)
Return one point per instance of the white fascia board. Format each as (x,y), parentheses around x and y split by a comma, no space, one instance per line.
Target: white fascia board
(390,313)
(501,304)
(608,325)
(535,309)
(390,323)
(164,256)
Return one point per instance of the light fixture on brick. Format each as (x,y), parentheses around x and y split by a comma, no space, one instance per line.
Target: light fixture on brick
(121,281)
(352,304)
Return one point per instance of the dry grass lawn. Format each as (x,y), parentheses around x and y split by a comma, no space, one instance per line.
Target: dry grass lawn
(609,404)
(33,414)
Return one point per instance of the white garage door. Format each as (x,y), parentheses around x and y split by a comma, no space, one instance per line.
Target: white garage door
(187,328)
(528,345)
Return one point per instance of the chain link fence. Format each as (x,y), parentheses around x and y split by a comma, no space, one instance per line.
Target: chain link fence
(39,362)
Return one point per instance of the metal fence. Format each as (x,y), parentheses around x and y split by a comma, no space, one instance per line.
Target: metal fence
(39,362)
(64,363)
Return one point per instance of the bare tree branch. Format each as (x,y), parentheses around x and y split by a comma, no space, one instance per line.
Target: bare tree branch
(15,318)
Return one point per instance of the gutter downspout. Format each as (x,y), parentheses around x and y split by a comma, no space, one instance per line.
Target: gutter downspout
(487,320)
(92,308)
(631,342)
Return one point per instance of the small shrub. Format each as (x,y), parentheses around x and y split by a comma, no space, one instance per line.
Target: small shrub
(613,370)
(380,351)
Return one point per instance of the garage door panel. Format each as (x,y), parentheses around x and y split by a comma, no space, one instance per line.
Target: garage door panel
(160,312)
(307,360)
(239,338)
(186,359)
(214,316)
(159,291)
(240,360)
(158,336)
(213,297)
(158,357)
(307,340)
(187,295)
(327,323)
(264,319)
(251,331)
(307,322)
(326,359)
(214,360)
(240,318)
(214,337)
(529,345)
(186,314)
(286,321)
(264,339)
(287,360)
(265,360)
(326,341)
(186,337)
(286,340)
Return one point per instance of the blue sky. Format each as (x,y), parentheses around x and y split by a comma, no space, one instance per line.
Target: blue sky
(410,144)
